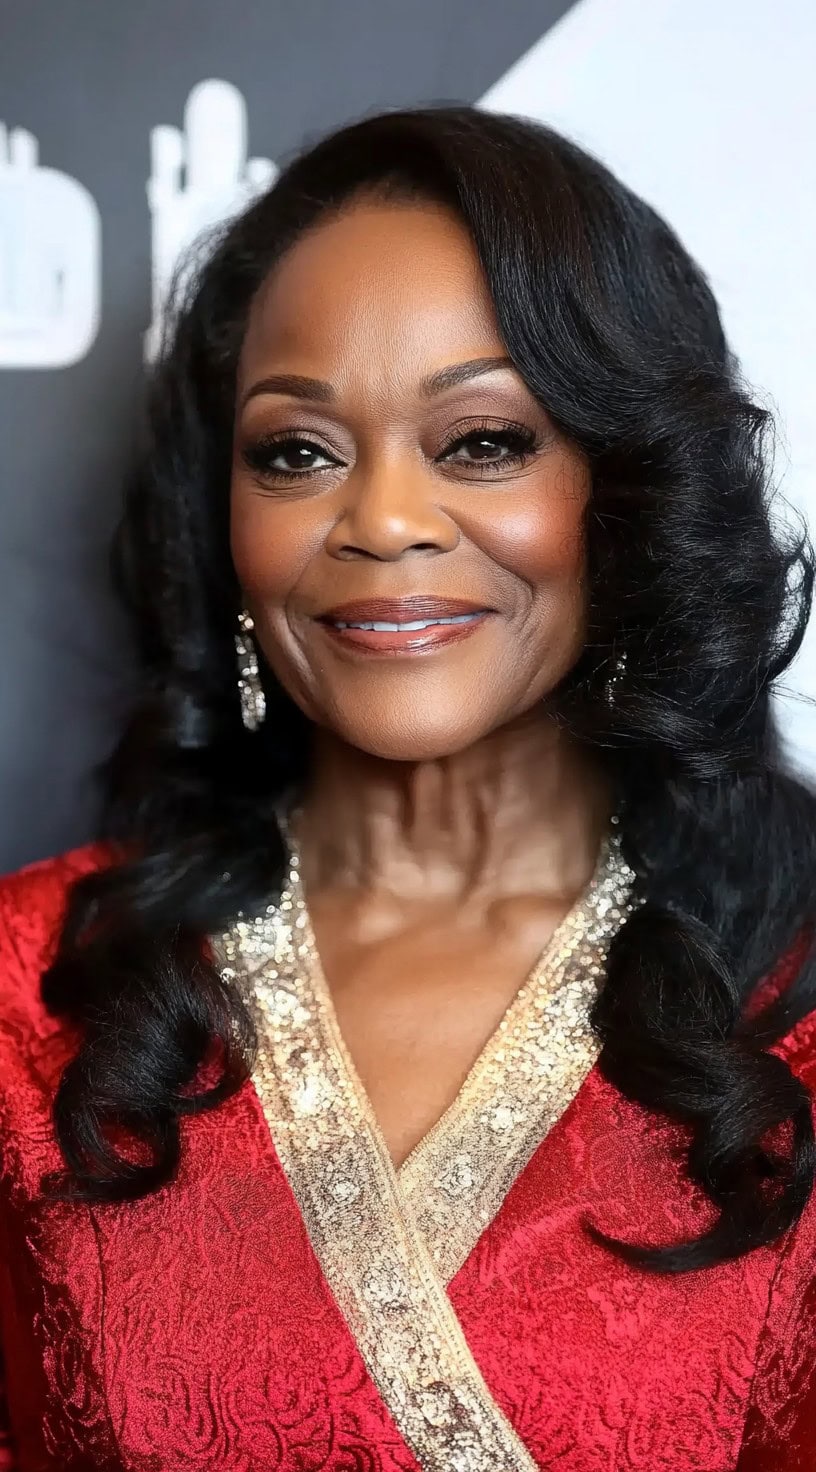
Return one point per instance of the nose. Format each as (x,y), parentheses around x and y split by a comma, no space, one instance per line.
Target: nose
(388,512)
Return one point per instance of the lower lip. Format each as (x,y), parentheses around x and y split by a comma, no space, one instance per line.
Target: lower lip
(405,641)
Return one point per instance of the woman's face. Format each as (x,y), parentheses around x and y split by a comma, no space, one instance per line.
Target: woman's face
(391,469)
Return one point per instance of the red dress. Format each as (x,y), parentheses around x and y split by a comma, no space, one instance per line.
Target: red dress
(197,1329)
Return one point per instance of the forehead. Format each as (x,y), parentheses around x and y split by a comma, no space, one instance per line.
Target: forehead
(391,288)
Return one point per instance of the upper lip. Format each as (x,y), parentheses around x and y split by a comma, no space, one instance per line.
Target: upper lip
(401,610)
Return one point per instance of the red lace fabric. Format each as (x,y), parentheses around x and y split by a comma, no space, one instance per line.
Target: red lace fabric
(194,1330)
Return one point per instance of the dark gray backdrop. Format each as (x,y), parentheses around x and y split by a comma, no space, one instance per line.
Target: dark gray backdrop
(90,79)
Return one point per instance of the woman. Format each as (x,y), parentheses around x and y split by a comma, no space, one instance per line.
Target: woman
(419,1073)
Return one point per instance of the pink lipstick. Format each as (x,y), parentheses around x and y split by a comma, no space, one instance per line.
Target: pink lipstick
(403,625)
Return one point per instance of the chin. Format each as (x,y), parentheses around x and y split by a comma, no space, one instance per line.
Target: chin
(415,743)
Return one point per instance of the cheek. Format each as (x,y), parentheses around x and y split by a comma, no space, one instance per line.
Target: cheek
(539,536)
(271,544)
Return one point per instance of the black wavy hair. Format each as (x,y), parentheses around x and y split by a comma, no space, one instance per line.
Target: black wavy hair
(615,331)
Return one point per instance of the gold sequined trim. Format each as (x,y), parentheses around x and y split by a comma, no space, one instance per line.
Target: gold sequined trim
(373,1252)
(457,1177)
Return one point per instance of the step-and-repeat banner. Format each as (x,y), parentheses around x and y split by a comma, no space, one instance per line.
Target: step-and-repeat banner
(126,130)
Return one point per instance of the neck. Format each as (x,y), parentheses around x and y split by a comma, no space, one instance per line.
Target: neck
(522,811)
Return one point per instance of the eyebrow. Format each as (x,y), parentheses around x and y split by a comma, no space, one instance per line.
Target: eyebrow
(318,391)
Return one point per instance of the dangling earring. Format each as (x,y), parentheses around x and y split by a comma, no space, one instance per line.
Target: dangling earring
(619,669)
(250,689)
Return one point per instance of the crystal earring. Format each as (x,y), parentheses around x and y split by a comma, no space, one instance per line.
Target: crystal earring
(250,689)
(619,669)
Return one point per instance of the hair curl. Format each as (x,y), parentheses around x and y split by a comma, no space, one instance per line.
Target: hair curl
(615,331)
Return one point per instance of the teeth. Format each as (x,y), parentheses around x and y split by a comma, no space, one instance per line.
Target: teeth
(424,623)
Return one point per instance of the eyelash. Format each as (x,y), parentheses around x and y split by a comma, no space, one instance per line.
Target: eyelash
(520,441)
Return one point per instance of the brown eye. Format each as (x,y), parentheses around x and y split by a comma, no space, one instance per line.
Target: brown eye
(486,447)
(287,457)
(490,447)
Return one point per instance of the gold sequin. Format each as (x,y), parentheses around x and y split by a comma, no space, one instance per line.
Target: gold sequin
(389,1241)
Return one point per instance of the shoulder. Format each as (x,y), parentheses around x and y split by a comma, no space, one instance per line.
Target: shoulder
(32,906)
(34,1045)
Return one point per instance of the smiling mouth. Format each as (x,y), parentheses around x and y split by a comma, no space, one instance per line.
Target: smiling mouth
(404,636)
(408,627)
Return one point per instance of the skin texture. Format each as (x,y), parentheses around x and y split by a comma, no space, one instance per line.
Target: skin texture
(450,822)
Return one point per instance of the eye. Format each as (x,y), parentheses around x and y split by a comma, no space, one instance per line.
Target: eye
(487,447)
(286,457)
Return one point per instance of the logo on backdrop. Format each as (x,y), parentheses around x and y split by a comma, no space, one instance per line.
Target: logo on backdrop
(50,271)
(200,175)
(50,230)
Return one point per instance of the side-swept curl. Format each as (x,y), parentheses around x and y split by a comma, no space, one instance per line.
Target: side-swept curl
(615,330)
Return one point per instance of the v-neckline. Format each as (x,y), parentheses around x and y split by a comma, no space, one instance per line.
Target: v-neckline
(530,1069)
(456,1176)
(383,1249)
